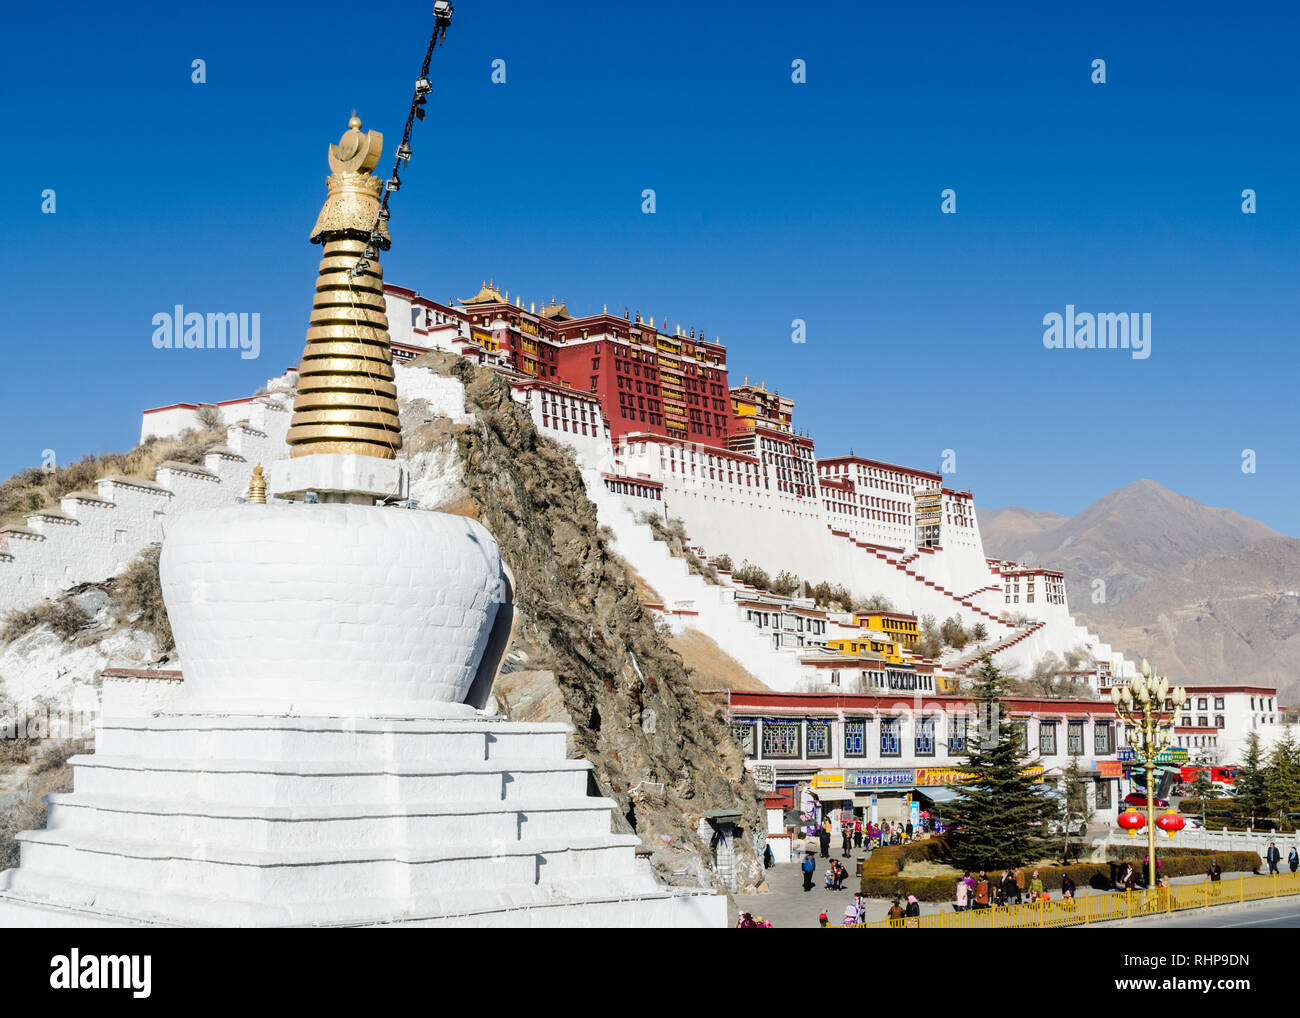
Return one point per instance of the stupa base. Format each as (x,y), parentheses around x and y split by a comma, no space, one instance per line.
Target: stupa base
(220,820)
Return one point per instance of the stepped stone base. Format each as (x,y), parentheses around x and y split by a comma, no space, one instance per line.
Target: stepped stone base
(202,820)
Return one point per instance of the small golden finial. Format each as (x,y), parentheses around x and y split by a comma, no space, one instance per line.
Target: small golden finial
(355,122)
(257,487)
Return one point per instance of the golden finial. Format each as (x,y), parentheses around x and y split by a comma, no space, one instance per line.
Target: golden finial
(257,487)
(347,400)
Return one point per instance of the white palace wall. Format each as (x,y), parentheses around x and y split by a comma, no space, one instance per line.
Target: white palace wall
(95,535)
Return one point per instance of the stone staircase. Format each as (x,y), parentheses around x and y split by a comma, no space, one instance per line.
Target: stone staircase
(95,534)
(220,821)
(715,608)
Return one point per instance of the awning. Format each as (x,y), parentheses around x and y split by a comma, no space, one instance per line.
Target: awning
(938,793)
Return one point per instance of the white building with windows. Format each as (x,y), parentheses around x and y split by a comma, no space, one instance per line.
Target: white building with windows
(873,754)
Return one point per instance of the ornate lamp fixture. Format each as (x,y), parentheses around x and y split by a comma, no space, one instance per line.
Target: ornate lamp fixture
(1141,708)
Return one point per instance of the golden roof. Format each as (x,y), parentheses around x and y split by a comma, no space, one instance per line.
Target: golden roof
(558,312)
(488,294)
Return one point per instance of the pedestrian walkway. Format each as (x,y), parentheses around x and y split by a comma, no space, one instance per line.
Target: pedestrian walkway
(788,906)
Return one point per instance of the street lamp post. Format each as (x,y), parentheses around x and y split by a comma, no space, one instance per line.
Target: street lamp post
(1140,705)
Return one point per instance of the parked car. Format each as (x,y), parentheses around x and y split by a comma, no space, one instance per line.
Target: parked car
(1139,799)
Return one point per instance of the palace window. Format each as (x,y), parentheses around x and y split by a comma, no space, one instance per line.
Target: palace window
(855,738)
(1103,738)
(1074,738)
(890,729)
(1218,721)
(819,739)
(925,736)
(1103,794)
(780,739)
(958,728)
(744,733)
(1047,738)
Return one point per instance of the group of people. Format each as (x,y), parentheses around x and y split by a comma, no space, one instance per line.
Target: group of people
(1273,857)
(745,921)
(855,834)
(856,911)
(836,874)
(1010,889)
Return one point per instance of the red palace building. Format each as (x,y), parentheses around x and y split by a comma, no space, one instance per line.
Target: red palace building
(649,382)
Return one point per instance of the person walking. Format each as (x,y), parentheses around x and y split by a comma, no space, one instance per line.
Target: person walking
(823,919)
(1272,857)
(809,866)
(963,896)
(913,910)
(847,839)
(857,833)
(982,891)
(850,915)
(896,914)
(1036,892)
(1215,874)
(1129,879)
(1293,859)
(824,840)
(1019,879)
(1067,887)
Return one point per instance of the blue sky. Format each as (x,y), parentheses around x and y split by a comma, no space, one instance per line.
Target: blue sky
(775,201)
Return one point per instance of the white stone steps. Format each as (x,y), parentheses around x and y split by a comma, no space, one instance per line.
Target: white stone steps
(292,827)
(559,904)
(223,872)
(268,783)
(311,739)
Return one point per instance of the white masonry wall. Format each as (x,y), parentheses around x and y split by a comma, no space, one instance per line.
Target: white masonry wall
(96,535)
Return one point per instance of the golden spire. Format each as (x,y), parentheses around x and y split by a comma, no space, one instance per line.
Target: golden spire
(347,402)
(257,487)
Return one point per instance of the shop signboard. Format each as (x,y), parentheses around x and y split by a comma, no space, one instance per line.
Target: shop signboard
(1173,755)
(880,778)
(828,780)
(1126,755)
(1110,768)
(939,776)
(764,776)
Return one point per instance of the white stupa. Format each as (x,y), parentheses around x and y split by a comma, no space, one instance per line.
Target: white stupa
(327,760)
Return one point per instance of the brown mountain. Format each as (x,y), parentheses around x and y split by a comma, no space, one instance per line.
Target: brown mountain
(1206,593)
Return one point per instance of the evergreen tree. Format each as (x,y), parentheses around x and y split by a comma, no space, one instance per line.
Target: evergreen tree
(1282,776)
(1251,795)
(1002,810)
(1072,808)
(1202,787)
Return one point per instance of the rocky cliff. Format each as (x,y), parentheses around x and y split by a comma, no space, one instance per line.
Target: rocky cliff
(584,650)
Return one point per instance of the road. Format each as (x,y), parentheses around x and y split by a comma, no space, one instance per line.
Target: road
(1284,913)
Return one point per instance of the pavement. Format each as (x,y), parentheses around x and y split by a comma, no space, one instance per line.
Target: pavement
(787,905)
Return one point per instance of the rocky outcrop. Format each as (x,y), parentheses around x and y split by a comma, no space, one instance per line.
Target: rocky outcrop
(585,651)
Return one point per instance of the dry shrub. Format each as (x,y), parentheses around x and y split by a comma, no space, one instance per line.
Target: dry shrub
(34,489)
(62,615)
(138,593)
(52,774)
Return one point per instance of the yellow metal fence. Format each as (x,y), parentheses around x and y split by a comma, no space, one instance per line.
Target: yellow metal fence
(1100,908)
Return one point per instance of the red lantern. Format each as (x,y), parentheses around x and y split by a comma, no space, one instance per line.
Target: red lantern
(1132,821)
(1170,822)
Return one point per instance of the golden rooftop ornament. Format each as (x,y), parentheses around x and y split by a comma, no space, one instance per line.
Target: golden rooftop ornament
(347,402)
(257,487)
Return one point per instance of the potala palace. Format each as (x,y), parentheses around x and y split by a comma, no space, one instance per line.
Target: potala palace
(657,427)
